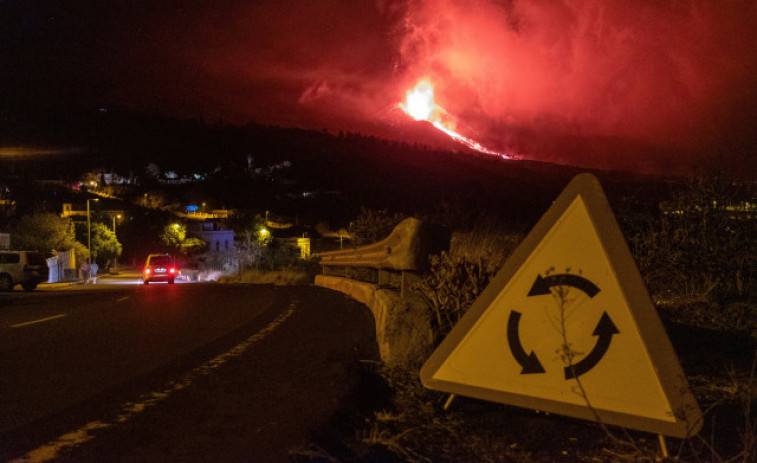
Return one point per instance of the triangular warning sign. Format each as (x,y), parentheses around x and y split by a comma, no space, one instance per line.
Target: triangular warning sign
(567,326)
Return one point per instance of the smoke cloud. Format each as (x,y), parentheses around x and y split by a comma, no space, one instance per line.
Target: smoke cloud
(661,76)
(642,84)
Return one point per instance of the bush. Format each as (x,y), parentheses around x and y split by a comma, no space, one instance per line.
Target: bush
(276,277)
(490,241)
(449,288)
(455,279)
(699,245)
(372,226)
(310,266)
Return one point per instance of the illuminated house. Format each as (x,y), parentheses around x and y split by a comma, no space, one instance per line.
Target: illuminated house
(219,240)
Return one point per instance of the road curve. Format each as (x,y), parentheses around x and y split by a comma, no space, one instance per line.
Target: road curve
(176,372)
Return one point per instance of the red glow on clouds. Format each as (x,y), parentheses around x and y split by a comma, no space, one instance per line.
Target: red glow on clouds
(632,84)
(647,85)
(653,72)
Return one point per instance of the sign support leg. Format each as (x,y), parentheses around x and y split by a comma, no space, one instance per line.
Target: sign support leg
(663,446)
(448,402)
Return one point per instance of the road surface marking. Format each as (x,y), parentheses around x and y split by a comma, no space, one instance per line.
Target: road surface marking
(121,299)
(19,325)
(129,410)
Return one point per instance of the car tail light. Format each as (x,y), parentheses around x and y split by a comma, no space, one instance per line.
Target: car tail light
(147,271)
(172,270)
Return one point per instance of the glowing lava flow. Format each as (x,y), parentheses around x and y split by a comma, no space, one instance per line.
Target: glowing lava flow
(420,105)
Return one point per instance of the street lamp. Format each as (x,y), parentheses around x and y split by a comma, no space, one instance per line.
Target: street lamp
(115,259)
(89,232)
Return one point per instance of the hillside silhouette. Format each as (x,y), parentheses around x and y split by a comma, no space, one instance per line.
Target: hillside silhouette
(326,173)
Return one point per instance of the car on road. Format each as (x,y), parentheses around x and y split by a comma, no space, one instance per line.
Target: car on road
(25,268)
(159,267)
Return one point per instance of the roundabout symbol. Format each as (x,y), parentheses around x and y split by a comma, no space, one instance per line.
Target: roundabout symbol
(604,330)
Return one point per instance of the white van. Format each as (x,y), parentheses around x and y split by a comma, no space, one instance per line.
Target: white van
(25,268)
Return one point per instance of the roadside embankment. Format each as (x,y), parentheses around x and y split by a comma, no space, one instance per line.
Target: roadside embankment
(403,325)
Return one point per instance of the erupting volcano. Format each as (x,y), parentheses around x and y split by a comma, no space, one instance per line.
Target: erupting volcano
(643,86)
(419,104)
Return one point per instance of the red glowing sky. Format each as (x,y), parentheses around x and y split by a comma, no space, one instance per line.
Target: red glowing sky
(601,83)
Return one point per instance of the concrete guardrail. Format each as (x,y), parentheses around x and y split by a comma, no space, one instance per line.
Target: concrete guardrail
(403,329)
(403,253)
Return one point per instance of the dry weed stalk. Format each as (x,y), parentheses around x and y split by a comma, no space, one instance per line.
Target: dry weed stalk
(625,448)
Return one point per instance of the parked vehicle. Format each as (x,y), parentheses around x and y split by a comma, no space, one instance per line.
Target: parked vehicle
(25,268)
(159,267)
(189,270)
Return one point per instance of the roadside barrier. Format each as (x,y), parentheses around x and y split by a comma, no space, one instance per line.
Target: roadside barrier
(379,275)
(395,261)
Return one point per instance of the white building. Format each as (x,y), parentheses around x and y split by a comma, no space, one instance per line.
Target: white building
(220,241)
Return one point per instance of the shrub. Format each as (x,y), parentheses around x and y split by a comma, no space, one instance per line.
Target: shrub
(490,241)
(309,266)
(455,279)
(276,277)
(372,226)
(450,287)
(698,246)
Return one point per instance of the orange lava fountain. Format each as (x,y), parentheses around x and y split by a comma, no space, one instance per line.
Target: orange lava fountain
(420,105)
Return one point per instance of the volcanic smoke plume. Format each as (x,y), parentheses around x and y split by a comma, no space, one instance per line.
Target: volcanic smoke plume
(644,84)
(594,81)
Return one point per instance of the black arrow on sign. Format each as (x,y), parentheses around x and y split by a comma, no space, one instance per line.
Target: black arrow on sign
(529,362)
(605,329)
(542,284)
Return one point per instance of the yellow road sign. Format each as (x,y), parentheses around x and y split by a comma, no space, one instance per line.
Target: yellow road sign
(567,326)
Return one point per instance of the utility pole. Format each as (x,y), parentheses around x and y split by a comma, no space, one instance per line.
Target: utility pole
(89,233)
(89,236)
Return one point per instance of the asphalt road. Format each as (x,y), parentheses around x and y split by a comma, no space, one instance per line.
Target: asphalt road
(186,372)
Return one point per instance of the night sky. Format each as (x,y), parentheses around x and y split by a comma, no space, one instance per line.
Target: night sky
(573,81)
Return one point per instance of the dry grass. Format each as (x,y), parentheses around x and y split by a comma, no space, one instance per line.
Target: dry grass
(490,241)
(273,277)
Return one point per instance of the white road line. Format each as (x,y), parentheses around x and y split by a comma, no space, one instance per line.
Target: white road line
(19,325)
(129,410)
